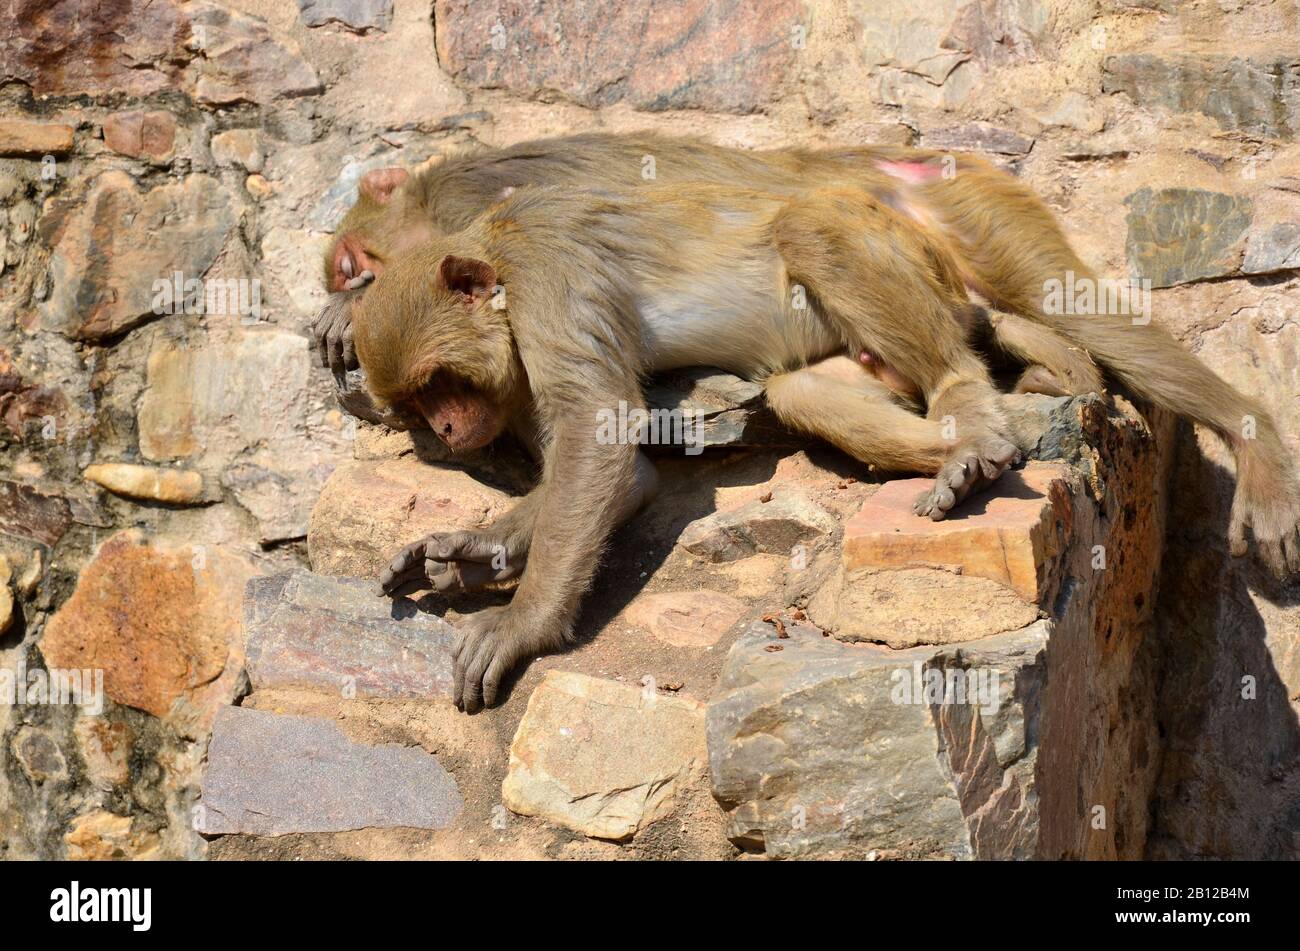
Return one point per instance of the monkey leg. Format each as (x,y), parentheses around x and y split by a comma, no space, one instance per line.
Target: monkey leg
(863,262)
(836,400)
(1056,365)
(1015,252)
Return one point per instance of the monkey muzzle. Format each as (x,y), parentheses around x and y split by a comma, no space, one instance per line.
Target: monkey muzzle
(463,418)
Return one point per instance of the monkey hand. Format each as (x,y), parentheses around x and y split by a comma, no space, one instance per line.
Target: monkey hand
(454,562)
(332,329)
(489,643)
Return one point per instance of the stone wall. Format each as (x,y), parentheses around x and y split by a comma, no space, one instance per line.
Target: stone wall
(158,456)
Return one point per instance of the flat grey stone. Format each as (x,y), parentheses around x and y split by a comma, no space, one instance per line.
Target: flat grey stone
(1254,94)
(1274,249)
(337,634)
(1182,235)
(819,749)
(773,527)
(357,15)
(275,774)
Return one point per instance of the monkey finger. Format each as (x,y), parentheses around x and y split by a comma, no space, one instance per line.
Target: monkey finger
(412,555)
(472,692)
(1237,544)
(320,331)
(944,499)
(361,280)
(349,349)
(462,652)
(459,575)
(1291,551)
(336,349)
(499,667)
(390,581)
(467,546)
(1271,554)
(406,589)
(424,572)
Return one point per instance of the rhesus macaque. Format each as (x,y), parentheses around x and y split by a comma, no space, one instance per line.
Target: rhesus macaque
(600,288)
(395,211)
(557,302)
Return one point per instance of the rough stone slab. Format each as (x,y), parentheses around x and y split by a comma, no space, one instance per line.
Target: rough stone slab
(820,749)
(602,758)
(243,61)
(1271,250)
(978,137)
(1008,534)
(272,446)
(1258,95)
(685,618)
(357,15)
(335,634)
(161,620)
(23,137)
(144,135)
(132,48)
(274,774)
(1181,235)
(28,512)
(774,527)
(721,58)
(908,607)
(368,510)
(178,226)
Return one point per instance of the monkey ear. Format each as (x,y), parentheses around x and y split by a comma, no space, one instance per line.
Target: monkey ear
(469,276)
(380,184)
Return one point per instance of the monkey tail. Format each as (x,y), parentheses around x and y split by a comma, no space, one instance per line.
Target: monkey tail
(1056,363)
(1149,362)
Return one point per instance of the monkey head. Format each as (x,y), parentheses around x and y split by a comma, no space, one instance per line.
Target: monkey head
(386,222)
(432,341)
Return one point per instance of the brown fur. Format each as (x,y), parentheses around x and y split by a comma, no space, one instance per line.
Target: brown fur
(591,304)
(610,279)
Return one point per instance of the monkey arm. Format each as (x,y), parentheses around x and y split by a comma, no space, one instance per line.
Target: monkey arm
(587,489)
(520,522)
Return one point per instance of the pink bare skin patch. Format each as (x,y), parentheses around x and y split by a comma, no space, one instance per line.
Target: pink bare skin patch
(914,173)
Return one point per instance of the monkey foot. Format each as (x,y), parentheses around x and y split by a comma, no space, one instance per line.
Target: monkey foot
(1275,527)
(972,467)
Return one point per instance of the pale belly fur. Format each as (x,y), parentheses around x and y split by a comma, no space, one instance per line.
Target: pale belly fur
(750,325)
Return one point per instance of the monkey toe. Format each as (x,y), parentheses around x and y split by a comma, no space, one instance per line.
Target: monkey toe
(943,496)
(968,471)
(1039,379)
